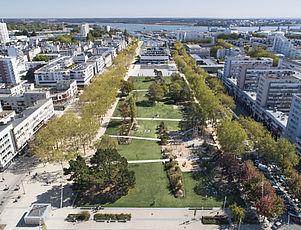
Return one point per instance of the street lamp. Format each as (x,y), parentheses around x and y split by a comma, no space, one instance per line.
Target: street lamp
(62,189)
(225,202)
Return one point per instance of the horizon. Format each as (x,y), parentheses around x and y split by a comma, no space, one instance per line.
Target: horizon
(232,9)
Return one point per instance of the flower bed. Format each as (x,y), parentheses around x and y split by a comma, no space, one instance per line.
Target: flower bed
(215,220)
(104,216)
(175,178)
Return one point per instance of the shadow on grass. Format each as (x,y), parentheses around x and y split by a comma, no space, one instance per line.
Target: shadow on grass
(144,103)
(114,124)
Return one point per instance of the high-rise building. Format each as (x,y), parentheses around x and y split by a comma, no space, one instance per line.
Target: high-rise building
(9,73)
(293,128)
(277,92)
(233,65)
(249,76)
(284,46)
(84,30)
(4,38)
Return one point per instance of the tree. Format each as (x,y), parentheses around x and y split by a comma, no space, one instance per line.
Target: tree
(86,130)
(132,105)
(232,137)
(194,116)
(227,101)
(230,167)
(41,57)
(261,52)
(159,76)
(155,92)
(214,49)
(111,168)
(238,212)
(126,87)
(90,37)
(123,108)
(232,36)
(105,179)
(163,139)
(286,150)
(106,142)
(175,91)
(270,206)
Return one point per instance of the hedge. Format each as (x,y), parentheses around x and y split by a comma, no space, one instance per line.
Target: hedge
(215,220)
(104,216)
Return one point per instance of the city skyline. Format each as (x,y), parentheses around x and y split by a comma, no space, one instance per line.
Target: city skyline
(134,8)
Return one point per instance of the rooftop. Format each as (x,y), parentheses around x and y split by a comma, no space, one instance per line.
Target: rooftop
(26,113)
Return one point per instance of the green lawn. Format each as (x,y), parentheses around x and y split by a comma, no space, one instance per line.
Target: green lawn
(113,127)
(152,185)
(165,109)
(140,150)
(141,83)
(144,126)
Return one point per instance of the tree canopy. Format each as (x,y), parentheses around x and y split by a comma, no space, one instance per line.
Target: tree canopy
(104,180)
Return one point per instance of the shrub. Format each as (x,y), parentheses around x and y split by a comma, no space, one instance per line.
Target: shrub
(82,216)
(104,216)
(215,220)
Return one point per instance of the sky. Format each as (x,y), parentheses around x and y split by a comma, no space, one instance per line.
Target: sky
(150,8)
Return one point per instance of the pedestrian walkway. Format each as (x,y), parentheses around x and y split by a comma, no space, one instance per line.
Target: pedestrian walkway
(162,160)
(140,90)
(139,138)
(149,119)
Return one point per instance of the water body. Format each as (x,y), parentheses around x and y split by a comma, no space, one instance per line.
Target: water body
(147,27)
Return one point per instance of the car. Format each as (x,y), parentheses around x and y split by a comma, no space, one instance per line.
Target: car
(276,225)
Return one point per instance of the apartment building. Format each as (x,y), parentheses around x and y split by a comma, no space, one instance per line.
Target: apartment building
(4,38)
(222,53)
(9,73)
(196,49)
(233,65)
(154,56)
(277,92)
(63,94)
(22,101)
(82,73)
(98,64)
(30,121)
(289,63)
(284,46)
(249,76)
(18,131)
(293,128)
(7,146)
(84,30)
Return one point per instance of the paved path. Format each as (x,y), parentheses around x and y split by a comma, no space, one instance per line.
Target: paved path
(106,119)
(162,160)
(140,138)
(149,119)
(140,90)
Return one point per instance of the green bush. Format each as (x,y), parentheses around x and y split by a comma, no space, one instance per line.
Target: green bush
(82,216)
(104,216)
(215,220)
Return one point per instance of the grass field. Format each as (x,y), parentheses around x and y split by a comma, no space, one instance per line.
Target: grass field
(165,109)
(141,83)
(152,190)
(140,150)
(152,127)
(144,127)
